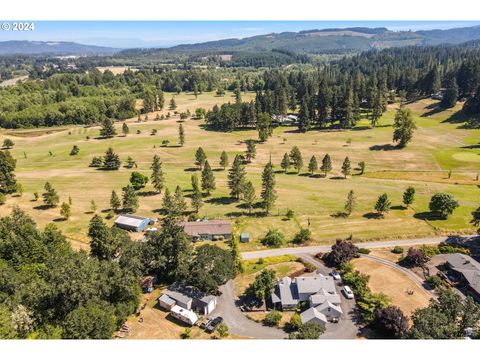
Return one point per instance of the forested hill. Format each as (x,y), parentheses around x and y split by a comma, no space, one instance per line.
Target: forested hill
(52,48)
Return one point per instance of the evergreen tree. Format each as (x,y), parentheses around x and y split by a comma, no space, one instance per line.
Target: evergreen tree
(65,211)
(323,101)
(8,143)
(125,129)
(304,122)
(200,158)
(108,129)
(377,109)
(75,150)
(224,160)
(409,196)
(285,164)
(93,206)
(361,167)
(450,96)
(130,198)
(157,177)
(347,121)
(312,165)
(346,167)
(138,180)
(50,196)
(173,104)
(296,157)
(382,205)
(115,202)
(8,182)
(251,150)
(236,177)
(350,203)
(208,179)
(179,204)
(326,164)
(111,160)
(197,201)
(248,195)
(268,195)
(264,126)
(167,202)
(181,135)
(403,127)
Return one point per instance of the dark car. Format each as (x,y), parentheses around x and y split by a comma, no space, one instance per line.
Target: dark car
(213,324)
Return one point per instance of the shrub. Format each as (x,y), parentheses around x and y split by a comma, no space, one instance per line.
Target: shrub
(364,251)
(434,281)
(308,332)
(110,215)
(273,318)
(222,330)
(290,214)
(294,323)
(3,199)
(302,236)
(397,250)
(273,238)
(343,251)
(308,266)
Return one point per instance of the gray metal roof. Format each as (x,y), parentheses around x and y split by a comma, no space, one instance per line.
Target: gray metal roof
(130,220)
(175,295)
(166,299)
(466,265)
(313,284)
(310,314)
(334,309)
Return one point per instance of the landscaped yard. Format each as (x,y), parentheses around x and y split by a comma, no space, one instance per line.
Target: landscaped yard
(437,147)
(395,284)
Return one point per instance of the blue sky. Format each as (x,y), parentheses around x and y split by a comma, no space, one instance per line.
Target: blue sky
(127,34)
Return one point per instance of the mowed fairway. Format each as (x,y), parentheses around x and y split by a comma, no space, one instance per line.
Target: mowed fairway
(437,147)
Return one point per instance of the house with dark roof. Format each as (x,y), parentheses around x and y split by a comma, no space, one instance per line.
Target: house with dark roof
(189,298)
(207,229)
(467,267)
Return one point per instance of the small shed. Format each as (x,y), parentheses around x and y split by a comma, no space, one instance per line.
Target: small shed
(132,222)
(244,237)
(147,283)
(166,302)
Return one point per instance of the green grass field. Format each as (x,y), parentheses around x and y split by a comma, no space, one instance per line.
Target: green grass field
(438,146)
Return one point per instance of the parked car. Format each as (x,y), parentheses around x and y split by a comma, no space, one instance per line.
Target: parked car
(335,320)
(205,322)
(213,324)
(336,275)
(348,292)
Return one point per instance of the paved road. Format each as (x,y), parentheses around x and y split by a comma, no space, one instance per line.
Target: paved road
(348,326)
(237,322)
(248,255)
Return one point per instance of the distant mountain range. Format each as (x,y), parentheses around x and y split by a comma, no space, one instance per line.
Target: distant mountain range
(52,48)
(309,42)
(337,40)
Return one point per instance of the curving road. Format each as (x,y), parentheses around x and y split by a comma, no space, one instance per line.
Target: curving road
(248,255)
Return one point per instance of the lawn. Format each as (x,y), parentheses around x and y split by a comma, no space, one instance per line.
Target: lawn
(438,146)
(395,284)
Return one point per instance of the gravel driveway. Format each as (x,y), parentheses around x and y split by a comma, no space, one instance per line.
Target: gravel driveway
(237,322)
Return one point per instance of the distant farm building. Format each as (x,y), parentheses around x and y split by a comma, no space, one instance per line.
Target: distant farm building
(244,237)
(208,229)
(133,222)
(285,120)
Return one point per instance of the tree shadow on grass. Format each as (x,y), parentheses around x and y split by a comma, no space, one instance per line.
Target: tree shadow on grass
(398,207)
(223,200)
(428,215)
(338,178)
(147,193)
(43,207)
(384,147)
(60,219)
(339,214)
(433,109)
(373,215)
(191,169)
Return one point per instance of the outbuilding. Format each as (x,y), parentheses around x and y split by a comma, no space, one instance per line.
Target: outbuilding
(166,302)
(132,222)
(244,237)
(208,229)
(205,305)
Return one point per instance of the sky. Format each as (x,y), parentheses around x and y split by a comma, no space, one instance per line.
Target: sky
(130,34)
